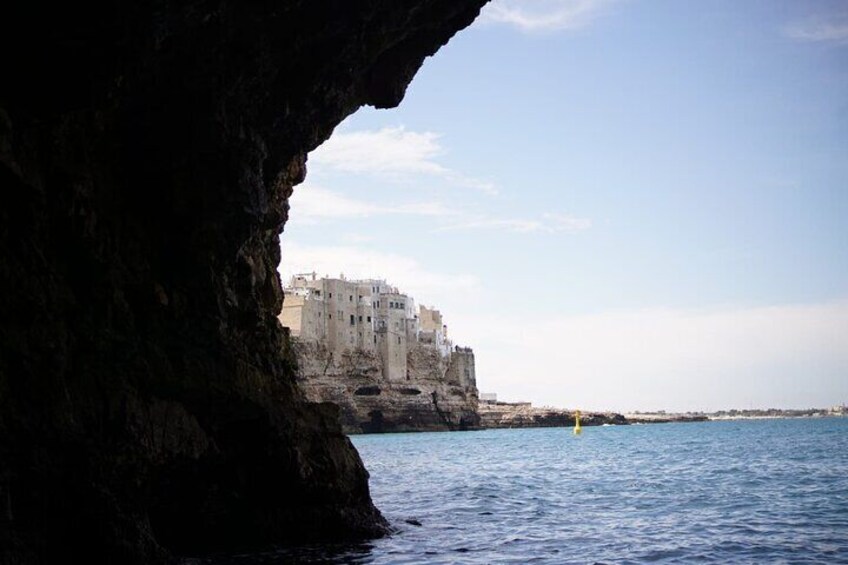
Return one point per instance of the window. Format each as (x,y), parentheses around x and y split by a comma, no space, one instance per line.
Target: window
(317,293)
(375,338)
(350,298)
(398,340)
(369,318)
(360,319)
(331,295)
(352,322)
(329,316)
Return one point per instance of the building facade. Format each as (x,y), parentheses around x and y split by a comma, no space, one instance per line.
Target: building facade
(368,315)
(389,365)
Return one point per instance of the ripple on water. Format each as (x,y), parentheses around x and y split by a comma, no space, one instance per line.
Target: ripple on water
(680,493)
(714,492)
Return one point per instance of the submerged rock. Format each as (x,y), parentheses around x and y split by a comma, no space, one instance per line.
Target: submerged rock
(147,154)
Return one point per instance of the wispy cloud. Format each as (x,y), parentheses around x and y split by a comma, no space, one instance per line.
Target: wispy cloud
(545,15)
(564,222)
(311,204)
(827,29)
(391,152)
(548,223)
(359,262)
(385,151)
(358,238)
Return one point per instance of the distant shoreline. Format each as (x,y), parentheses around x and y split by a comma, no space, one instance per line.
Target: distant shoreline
(499,414)
(749,414)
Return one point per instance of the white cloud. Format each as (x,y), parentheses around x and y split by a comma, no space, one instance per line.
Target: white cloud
(783,356)
(548,223)
(310,204)
(564,222)
(355,262)
(355,237)
(831,29)
(391,152)
(545,15)
(388,150)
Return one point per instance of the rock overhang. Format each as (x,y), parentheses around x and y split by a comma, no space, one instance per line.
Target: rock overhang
(147,153)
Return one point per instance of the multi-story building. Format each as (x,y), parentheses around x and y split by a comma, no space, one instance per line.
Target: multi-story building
(367,314)
(389,366)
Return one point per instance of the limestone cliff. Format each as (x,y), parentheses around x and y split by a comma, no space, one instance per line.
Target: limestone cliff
(524,415)
(147,154)
(438,394)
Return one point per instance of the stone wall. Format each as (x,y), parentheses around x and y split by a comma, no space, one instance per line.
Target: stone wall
(433,397)
(461,369)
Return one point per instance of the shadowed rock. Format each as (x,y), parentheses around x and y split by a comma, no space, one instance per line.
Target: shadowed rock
(147,154)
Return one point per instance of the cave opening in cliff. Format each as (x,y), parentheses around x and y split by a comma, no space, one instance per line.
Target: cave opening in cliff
(549,194)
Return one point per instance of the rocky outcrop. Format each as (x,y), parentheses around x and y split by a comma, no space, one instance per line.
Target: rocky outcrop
(648,418)
(438,395)
(147,154)
(524,415)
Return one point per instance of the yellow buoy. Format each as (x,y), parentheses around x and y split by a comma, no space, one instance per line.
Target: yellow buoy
(577,428)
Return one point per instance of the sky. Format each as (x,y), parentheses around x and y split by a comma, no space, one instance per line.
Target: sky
(618,204)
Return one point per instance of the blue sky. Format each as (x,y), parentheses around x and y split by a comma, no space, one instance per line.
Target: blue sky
(618,204)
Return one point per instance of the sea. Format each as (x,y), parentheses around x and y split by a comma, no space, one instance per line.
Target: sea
(749,491)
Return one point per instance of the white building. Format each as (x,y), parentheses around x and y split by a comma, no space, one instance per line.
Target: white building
(367,314)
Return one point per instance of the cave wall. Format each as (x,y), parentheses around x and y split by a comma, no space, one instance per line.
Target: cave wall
(147,154)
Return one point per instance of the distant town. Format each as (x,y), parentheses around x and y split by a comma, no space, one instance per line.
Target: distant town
(389,365)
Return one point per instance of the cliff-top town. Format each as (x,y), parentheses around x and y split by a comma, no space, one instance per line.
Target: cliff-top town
(390,366)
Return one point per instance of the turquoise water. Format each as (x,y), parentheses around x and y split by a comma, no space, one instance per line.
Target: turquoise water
(773,491)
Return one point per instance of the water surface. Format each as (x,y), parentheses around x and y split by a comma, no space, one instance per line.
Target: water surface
(713,492)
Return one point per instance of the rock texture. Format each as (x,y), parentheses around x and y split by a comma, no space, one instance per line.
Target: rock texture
(436,397)
(147,153)
(523,415)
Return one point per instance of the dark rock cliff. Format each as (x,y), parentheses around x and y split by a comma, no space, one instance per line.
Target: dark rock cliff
(147,153)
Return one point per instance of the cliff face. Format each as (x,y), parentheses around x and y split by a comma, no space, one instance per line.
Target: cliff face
(439,394)
(523,415)
(147,153)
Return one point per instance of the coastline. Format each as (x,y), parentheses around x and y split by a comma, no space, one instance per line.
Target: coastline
(521,415)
